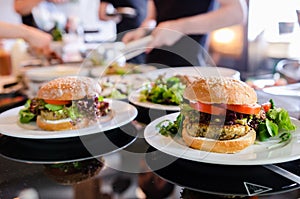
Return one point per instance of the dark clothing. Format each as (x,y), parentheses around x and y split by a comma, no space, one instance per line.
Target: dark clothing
(29,20)
(128,23)
(187,51)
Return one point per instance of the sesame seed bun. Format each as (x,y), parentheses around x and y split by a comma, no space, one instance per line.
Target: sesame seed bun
(69,88)
(220,90)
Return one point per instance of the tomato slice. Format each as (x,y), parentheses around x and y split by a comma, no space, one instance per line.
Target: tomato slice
(58,102)
(208,108)
(266,106)
(220,109)
(245,108)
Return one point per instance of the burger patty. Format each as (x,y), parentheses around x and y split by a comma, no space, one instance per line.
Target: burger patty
(54,115)
(218,132)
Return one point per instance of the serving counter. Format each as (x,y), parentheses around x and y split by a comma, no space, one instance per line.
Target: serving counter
(45,167)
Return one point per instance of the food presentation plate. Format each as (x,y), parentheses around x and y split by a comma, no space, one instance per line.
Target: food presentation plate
(99,71)
(292,90)
(123,113)
(230,180)
(134,97)
(47,73)
(44,151)
(260,153)
(194,71)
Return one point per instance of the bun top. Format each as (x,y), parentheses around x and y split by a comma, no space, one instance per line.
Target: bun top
(220,90)
(69,88)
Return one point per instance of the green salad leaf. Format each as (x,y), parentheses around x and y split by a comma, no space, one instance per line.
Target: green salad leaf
(171,128)
(25,115)
(53,107)
(166,91)
(277,123)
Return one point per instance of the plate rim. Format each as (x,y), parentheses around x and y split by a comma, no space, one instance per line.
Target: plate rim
(146,68)
(77,132)
(288,90)
(133,95)
(209,157)
(235,73)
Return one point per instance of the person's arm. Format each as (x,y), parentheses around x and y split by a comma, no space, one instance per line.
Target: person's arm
(149,23)
(229,13)
(24,7)
(37,39)
(102,13)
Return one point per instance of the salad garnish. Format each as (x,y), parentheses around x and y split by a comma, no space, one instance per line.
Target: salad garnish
(271,122)
(163,90)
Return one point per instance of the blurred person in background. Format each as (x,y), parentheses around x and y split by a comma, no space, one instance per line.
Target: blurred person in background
(180,28)
(127,14)
(25,7)
(38,40)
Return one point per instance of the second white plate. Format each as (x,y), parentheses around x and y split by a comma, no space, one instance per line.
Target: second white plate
(123,114)
(134,97)
(256,154)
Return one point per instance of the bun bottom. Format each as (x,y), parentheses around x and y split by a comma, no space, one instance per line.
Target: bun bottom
(67,125)
(59,126)
(219,146)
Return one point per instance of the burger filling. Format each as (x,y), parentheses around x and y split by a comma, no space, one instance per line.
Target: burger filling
(232,125)
(91,108)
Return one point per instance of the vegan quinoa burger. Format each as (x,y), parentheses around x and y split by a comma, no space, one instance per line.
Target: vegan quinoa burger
(219,110)
(66,103)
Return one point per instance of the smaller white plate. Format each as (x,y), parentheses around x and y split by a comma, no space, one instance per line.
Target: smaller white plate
(288,90)
(123,113)
(134,97)
(203,71)
(99,71)
(47,73)
(256,154)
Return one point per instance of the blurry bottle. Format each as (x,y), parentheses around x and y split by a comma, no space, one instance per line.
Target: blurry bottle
(5,61)
(18,54)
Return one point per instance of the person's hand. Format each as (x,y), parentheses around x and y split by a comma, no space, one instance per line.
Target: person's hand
(135,34)
(39,41)
(166,33)
(105,16)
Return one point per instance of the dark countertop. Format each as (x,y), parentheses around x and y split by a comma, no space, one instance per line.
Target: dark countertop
(127,173)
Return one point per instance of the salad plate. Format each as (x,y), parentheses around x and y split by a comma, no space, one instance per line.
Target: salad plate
(45,151)
(292,90)
(123,113)
(260,153)
(115,69)
(134,97)
(194,71)
(119,86)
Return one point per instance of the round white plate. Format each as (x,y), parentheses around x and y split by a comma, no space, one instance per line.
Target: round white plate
(134,97)
(99,71)
(204,71)
(47,73)
(256,154)
(123,113)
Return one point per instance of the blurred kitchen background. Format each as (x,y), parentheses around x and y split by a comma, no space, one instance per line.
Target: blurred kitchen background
(270,35)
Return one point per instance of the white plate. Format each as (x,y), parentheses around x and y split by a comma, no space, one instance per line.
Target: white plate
(256,154)
(123,113)
(123,83)
(134,97)
(99,71)
(194,71)
(47,73)
(288,90)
